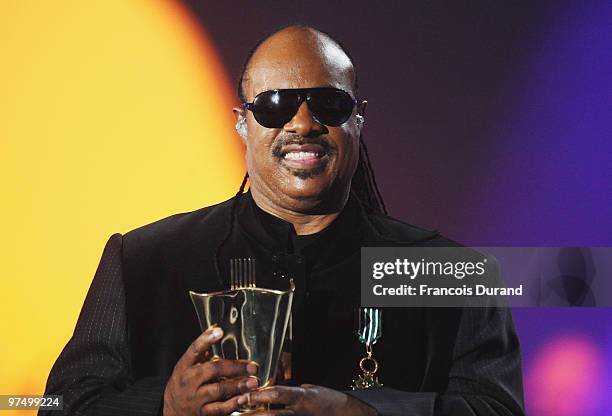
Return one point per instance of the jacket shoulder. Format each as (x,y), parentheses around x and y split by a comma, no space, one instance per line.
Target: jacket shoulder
(210,220)
(394,230)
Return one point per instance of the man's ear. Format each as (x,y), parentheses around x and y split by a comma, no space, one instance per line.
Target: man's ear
(241,125)
(361,107)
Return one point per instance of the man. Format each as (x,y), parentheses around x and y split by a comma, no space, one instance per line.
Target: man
(311,205)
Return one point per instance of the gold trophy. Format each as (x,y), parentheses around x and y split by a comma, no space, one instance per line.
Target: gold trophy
(254,320)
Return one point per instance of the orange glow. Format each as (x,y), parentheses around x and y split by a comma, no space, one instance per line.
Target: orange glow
(114,114)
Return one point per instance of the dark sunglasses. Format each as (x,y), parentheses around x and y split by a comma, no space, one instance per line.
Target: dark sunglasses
(274,108)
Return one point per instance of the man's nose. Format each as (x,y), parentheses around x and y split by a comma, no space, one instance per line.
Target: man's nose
(304,124)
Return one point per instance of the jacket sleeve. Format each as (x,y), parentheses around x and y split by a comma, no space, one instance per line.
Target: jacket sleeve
(484,379)
(93,371)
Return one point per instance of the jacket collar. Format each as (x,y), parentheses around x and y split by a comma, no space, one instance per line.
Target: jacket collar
(344,234)
(350,231)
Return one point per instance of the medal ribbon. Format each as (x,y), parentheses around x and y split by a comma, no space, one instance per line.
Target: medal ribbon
(369,330)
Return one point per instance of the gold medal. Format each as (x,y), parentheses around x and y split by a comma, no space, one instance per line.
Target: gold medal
(368,379)
(369,330)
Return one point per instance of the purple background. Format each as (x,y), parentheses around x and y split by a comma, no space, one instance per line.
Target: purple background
(492,122)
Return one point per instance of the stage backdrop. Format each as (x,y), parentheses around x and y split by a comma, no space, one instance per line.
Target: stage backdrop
(113,114)
(487,120)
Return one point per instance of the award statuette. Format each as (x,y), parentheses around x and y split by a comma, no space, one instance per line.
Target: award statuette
(254,320)
(369,330)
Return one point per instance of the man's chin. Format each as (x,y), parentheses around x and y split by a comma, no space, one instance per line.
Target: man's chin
(307,187)
(306,174)
(308,193)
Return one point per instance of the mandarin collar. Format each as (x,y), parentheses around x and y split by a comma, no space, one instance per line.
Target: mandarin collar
(344,234)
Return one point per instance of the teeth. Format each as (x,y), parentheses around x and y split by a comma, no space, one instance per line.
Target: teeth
(300,155)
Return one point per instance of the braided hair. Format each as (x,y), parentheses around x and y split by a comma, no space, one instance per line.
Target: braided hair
(363,184)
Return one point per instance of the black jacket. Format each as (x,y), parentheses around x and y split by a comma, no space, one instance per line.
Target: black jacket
(138,319)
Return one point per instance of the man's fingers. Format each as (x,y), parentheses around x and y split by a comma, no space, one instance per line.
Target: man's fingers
(226,389)
(223,408)
(211,370)
(276,395)
(197,349)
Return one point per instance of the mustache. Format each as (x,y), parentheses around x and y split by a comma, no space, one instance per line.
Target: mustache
(282,141)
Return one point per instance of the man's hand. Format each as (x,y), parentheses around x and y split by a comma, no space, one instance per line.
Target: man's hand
(308,400)
(194,387)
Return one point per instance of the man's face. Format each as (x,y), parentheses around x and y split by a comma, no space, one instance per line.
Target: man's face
(303,165)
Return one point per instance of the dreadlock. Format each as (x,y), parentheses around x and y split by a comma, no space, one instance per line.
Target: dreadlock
(363,183)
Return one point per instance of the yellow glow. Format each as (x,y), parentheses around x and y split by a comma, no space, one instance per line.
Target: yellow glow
(113,114)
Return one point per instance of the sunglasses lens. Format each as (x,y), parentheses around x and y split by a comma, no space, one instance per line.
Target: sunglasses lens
(273,109)
(330,106)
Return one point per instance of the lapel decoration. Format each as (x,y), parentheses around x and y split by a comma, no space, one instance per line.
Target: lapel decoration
(369,330)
